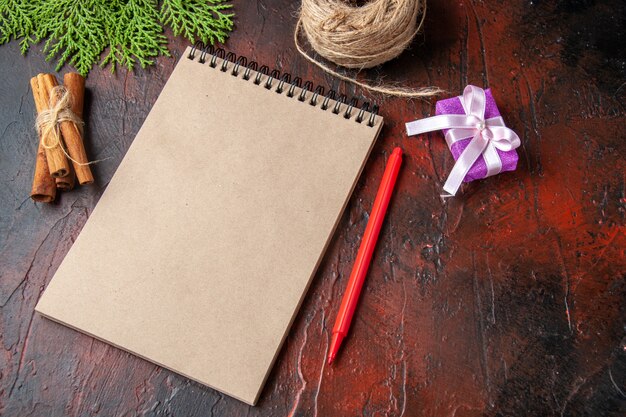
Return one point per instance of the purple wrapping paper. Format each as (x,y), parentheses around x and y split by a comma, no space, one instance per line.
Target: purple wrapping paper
(479,169)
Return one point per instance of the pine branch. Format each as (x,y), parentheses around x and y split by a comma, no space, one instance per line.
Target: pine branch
(135,34)
(75,30)
(16,22)
(198,19)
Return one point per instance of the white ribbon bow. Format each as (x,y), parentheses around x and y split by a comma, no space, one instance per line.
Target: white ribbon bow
(487,135)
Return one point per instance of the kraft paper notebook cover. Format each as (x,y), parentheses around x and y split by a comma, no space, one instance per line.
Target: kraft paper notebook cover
(204,243)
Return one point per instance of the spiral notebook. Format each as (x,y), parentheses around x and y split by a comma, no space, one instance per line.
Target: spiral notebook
(201,249)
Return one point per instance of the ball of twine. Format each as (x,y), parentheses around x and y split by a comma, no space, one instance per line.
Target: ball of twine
(362,37)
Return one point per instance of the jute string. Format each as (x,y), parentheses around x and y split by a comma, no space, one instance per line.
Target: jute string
(48,121)
(362,37)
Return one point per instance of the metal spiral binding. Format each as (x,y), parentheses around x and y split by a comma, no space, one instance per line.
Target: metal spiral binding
(283,82)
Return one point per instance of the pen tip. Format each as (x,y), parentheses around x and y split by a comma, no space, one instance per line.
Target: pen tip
(335,341)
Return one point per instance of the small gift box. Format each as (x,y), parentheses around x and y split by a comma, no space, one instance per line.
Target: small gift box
(476,134)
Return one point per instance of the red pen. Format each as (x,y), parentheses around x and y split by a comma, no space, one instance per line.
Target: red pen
(364,256)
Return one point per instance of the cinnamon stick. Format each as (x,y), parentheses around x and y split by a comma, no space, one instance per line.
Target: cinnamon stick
(44,189)
(75,84)
(67,182)
(57,162)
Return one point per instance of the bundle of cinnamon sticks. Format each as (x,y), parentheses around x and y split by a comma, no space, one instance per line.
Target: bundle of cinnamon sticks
(53,171)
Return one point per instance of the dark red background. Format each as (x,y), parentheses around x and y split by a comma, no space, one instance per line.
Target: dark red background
(508,300)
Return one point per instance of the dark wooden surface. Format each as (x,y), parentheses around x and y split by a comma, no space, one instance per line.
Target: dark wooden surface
(509,300)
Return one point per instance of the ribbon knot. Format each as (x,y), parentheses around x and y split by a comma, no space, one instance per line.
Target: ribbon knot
(487,136)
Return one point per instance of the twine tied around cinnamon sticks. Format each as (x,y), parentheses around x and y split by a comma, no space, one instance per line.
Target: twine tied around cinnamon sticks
(59,125)
(49,120)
